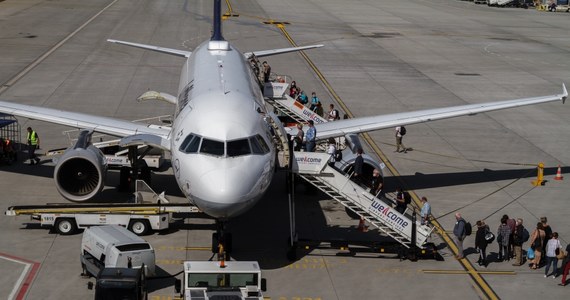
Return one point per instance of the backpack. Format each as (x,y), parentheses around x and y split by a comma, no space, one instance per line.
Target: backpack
(525,235)
(338,155)
(468,228)
(407,198)
(402,130)
(337,115)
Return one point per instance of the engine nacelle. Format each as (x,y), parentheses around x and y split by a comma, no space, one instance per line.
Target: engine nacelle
(80,172)
(349,156)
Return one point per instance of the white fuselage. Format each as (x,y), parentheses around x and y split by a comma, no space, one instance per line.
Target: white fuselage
(222,152)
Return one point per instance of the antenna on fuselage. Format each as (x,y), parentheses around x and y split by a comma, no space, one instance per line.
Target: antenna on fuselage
(217,41)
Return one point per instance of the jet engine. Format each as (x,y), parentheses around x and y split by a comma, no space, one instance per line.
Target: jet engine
(80,172)
(349,156)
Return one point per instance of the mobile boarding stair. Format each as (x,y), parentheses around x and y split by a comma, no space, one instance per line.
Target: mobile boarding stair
(313,167)
(276,94)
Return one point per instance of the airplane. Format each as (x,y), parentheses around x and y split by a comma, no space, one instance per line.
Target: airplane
(221,145)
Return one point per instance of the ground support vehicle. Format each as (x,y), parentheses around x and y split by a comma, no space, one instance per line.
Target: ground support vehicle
(221,280)
(66,218)
(120,284)
(115,247)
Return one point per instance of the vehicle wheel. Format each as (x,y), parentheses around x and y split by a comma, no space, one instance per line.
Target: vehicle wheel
(139,227)
(65,226)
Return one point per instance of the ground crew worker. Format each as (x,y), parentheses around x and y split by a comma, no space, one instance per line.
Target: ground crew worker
(33,144)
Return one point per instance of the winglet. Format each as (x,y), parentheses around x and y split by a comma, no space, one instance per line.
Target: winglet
(564,93)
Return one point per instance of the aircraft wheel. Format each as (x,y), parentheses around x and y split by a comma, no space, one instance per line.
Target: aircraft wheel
(139,227)
(65,226)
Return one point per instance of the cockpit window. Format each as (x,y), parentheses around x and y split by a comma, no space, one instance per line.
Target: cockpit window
(238,147)
(258,145)
(212,147)
(190,144)
(252,145)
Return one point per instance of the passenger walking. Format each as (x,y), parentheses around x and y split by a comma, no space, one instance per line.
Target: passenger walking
(503,238)
(376,184)
(293,89)
(512,223)
(459,233)
(551,247)
(332,150)
(547,236)
(400,132)
(536,241)
(333,113)
(266,71)
(301,97)
(357,175)
(425,212)
(33,144)
(518,241)
(298,138)
(402,200)
(481,242)
(565,265)
(311,137)
(314,102)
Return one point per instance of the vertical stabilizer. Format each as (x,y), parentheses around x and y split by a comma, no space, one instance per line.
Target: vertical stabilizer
(217,41)
(217,34)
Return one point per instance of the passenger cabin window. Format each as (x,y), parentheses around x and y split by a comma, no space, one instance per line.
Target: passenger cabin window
(190,144)
(212,147)
(238,147)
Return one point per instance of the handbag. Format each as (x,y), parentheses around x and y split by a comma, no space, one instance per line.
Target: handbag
(489,237)
(560,253)
(530,253)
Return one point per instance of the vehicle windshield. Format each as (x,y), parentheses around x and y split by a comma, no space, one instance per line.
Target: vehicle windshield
(225,281)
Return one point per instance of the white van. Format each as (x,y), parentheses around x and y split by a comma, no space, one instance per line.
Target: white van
(115,246)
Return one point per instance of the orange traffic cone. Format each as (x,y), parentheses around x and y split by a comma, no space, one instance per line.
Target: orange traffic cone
(558,174)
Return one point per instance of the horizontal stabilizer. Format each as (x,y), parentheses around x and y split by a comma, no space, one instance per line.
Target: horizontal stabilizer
(262,53)
(154,48)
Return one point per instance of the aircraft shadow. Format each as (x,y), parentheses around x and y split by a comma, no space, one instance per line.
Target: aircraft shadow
(420,181)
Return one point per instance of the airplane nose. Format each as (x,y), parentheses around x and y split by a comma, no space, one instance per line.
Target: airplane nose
(224,193)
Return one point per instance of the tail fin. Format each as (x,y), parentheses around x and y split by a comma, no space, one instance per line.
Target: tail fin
(217,30)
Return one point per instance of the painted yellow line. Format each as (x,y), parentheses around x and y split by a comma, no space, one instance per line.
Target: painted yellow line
(36,62)
(466,272)
(478,280)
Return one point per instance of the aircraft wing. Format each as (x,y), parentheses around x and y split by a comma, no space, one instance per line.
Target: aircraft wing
(154,48)
(365,124)
(263,53)
(105,125)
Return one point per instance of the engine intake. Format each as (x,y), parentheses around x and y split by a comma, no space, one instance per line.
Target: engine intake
(80,172)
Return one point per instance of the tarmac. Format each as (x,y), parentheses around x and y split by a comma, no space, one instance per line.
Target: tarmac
(379,57)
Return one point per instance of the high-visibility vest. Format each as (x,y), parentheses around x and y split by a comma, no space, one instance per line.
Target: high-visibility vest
(32,138)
